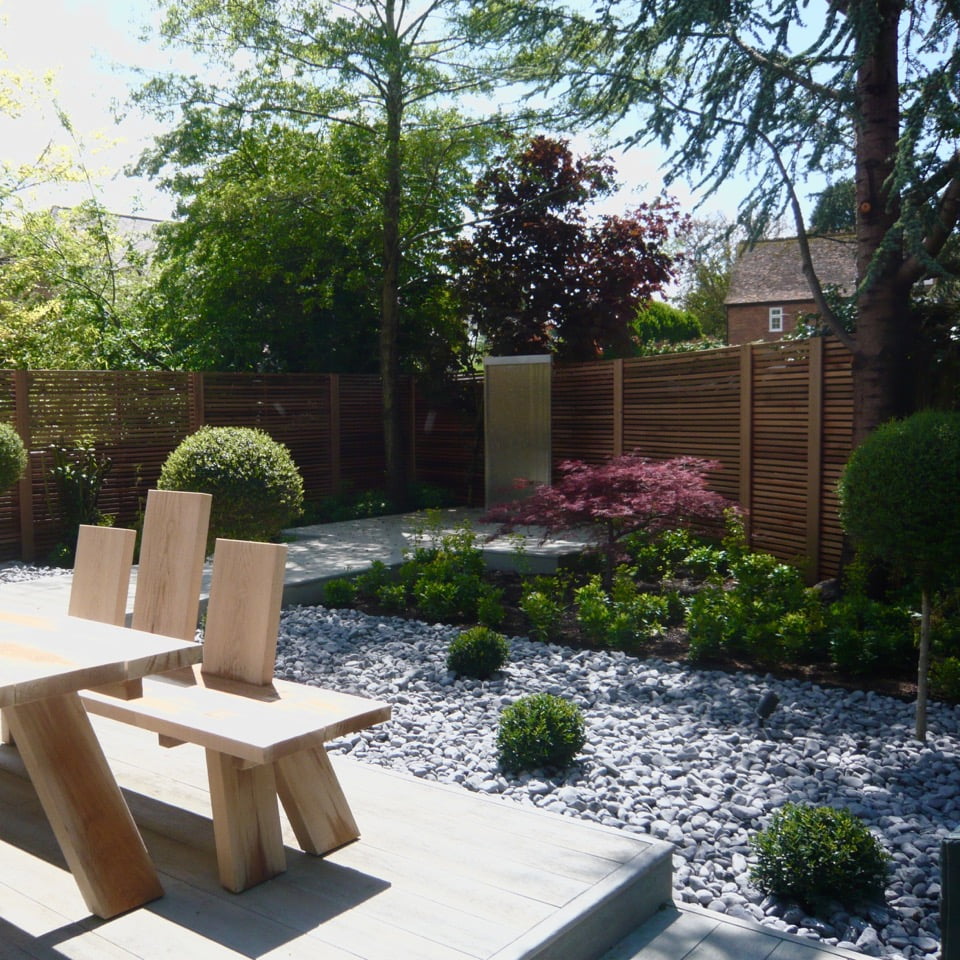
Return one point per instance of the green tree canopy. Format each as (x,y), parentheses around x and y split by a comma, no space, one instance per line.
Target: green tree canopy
(836,209)
(709,250)
(72,284)
(658,322)
(273,262)
(381,66)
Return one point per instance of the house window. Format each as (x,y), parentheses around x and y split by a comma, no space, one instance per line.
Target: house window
(776,319)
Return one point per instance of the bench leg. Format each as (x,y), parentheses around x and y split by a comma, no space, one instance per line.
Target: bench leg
(83,803)
(246,822)
(5,735)
(314,802)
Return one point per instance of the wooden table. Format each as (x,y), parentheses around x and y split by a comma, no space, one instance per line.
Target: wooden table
(44,662)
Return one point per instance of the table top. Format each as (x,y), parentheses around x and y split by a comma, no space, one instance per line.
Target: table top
(45,655)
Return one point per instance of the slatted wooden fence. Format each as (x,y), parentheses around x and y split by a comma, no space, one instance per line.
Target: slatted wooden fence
(776,416)
(330,422)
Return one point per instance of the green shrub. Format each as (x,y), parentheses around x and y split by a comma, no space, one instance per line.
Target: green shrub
(256,487)
(490,612)
(13,457)
(898,500)
(445,575)
(543,603)
(393,596)
(437,599)
(339,592)
(945,679)
(370,581)
(767,613)
(817,854)
(862,633)
(478,652)
(623,616)
(540,730)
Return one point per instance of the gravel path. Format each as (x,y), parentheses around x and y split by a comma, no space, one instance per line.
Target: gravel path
(672,752)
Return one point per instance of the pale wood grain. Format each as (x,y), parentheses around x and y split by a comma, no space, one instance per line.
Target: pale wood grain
(170,571)
(243,612)
(101,581)
(261,735)
(246,822)
(89,817)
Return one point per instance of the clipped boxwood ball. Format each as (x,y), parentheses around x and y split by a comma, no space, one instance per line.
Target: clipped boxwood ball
(257,489)
(817,854)
(540,730)
(13,457)
(478,652)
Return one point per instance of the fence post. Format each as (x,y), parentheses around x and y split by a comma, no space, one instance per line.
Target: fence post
(21,399)
(814,491)
(746,434)
(412,458)
(950,896)
(196,401)
(334,431)
(618,408)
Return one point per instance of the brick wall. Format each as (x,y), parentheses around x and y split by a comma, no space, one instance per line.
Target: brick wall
(750,322)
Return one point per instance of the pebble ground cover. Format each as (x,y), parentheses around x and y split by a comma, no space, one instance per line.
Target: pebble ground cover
(672,751)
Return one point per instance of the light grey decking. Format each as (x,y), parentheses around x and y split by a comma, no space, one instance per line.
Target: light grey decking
(438,874)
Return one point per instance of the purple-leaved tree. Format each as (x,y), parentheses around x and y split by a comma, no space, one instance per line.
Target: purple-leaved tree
(625,495)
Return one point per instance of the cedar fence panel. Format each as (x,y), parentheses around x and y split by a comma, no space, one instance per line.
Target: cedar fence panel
(776,416)
(331,423)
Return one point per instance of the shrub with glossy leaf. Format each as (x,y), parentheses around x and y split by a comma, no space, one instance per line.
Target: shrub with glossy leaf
(478,652)
(540,731)
(339,592)
(257,489)
(817,854)
(13,457)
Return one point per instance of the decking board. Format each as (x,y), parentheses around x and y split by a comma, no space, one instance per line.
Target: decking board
(438,873)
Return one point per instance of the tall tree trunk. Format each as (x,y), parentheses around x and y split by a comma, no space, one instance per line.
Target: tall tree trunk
(884,325)
(390,303)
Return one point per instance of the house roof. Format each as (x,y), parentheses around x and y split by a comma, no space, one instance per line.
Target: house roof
(771,270)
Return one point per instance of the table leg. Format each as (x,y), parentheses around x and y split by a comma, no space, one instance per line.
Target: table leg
(89,817)
(314,801)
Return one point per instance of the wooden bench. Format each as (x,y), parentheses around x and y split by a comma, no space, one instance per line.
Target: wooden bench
(263,737)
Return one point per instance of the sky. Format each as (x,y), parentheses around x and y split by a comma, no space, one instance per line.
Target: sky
(94,48)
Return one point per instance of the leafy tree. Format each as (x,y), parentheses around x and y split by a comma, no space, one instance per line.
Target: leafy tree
(375,65)
(272,263)
(625,495)
(836,209)
(70,280)
(661,323)
(870,88)
(710,250)
(70,288)
(898,499)
(538,277)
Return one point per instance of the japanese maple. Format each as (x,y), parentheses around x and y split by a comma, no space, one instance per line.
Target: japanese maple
(625,495)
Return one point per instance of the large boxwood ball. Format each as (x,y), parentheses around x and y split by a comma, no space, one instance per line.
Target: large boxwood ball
(257,489)
(13,457)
